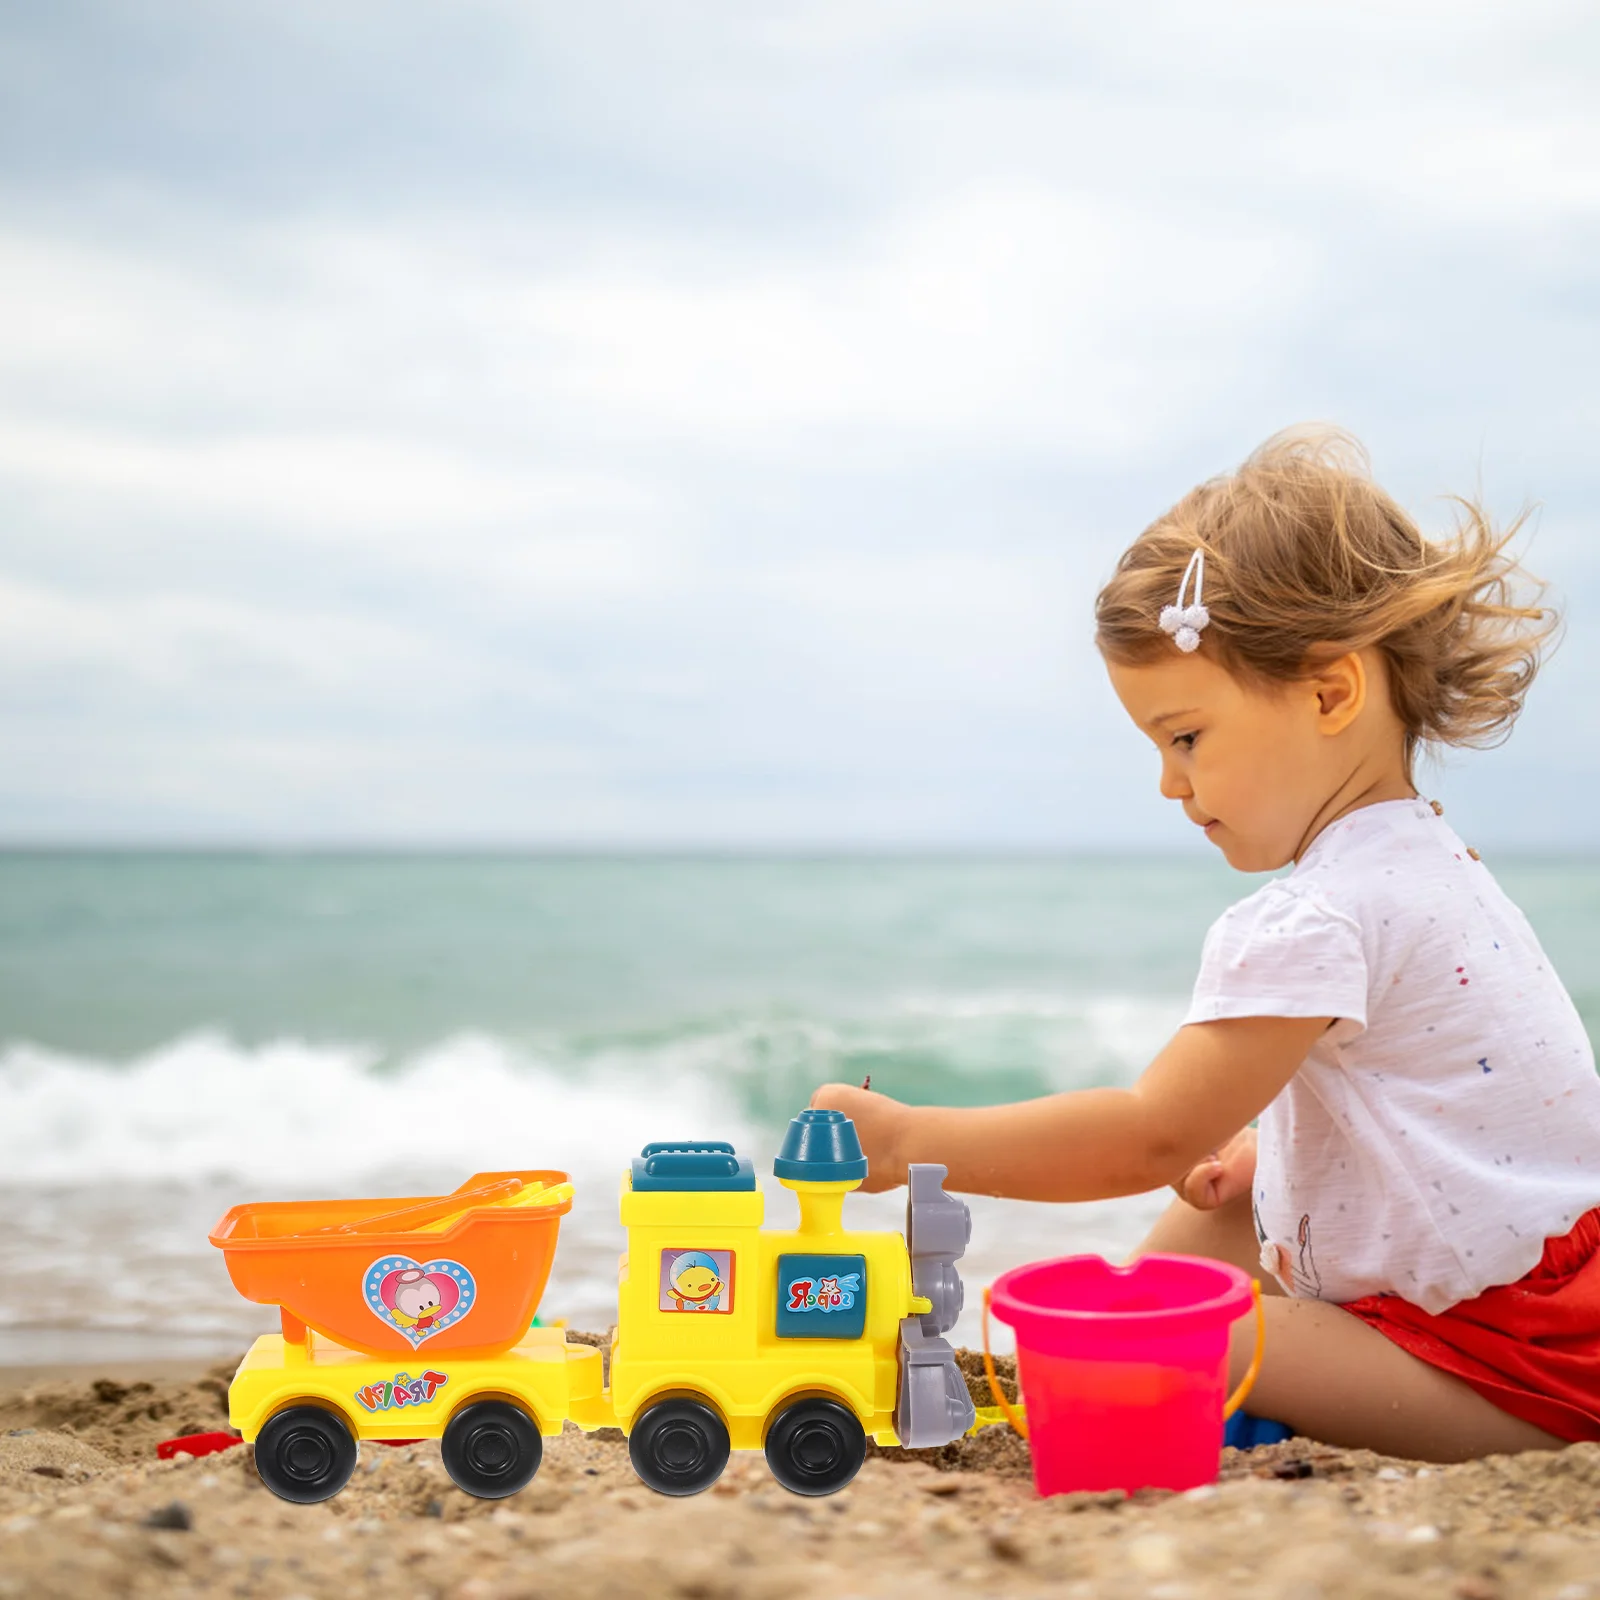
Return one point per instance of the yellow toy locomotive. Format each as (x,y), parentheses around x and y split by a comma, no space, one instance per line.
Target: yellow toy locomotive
(413,1322)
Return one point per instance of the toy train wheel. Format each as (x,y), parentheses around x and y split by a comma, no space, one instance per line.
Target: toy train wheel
(305,1454)
(815,1447)
(491,1449)
(679,1446)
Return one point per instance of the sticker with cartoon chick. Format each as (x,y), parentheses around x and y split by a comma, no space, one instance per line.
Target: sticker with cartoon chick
(419,1298)
(696,1280)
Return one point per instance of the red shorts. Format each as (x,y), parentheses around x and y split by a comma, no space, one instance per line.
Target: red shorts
(1532,1347)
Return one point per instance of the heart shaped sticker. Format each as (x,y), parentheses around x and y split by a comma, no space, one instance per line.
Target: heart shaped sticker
(420,1299)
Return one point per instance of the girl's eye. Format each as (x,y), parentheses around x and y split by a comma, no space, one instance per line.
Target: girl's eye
(1185,741)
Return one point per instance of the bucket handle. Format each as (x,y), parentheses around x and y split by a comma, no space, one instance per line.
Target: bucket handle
(1253,1371)
(1014,1415)
(1017,1415)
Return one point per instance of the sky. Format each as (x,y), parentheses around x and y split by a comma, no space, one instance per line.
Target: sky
(640,426)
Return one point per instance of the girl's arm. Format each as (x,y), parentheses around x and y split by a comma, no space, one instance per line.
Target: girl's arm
(1212,1079)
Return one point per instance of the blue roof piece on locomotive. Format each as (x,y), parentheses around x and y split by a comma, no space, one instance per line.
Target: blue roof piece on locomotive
(703,1165)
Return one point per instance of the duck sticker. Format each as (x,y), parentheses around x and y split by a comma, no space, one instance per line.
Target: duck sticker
(420,1299)
(696,1280)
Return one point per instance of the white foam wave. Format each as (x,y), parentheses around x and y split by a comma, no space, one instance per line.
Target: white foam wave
(1132,1029)
(995,1003)
(290,1112)
(293,1112)
(1123,1032)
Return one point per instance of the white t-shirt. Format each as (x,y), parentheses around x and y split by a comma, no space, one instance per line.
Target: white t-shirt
(1448,1122)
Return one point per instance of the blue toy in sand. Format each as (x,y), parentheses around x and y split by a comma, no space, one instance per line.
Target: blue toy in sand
(1245,1432)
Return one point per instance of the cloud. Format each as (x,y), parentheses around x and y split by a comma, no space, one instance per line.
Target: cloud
(579,424)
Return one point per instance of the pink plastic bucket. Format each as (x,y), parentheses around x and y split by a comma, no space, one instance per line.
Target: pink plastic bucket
(1123,1369)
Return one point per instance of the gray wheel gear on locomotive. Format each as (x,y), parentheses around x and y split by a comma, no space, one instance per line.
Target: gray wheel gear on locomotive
(934,1406)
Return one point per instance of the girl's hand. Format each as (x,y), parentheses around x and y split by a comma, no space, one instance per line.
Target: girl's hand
(880,1125)
(1223,1176)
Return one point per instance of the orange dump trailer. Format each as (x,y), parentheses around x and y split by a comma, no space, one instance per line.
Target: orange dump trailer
(461,1273)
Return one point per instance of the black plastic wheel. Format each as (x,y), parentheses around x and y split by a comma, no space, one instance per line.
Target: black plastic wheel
(679,1446)
(491,1449)
(305,1454)
(815,1447)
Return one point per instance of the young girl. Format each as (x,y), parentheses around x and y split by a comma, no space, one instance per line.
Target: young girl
(1421,1193)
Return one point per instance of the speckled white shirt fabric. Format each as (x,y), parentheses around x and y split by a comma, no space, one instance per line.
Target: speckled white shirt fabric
(1448,1122)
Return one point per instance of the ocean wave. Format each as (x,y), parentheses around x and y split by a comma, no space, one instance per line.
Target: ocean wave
(1129,1028)
(295,1111)
(205,1107)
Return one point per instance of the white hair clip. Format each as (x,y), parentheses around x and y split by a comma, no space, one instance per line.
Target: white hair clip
(1184,622)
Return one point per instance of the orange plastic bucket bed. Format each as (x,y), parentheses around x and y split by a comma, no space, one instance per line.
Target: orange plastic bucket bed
(384,1275)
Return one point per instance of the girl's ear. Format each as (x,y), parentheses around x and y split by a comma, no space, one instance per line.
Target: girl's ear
(1340,686)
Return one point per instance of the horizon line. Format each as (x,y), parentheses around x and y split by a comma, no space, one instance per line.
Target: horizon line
(556,850)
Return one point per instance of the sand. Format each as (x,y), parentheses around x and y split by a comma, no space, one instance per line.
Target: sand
(87,1510)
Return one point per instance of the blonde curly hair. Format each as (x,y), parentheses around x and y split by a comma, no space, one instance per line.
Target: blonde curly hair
(1306,559)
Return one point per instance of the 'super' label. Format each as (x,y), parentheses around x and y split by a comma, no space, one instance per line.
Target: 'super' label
(824,1294)
(821,1297)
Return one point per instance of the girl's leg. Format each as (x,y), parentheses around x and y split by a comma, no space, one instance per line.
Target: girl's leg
(1331,1377)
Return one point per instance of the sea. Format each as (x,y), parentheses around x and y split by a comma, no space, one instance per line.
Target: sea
(181,1032)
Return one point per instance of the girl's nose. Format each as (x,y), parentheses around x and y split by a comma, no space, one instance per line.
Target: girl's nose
(1174,785)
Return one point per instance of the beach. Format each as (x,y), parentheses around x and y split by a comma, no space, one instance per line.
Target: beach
(287,1028)
(87,1510)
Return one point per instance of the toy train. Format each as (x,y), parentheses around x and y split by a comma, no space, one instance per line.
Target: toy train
(415,1319)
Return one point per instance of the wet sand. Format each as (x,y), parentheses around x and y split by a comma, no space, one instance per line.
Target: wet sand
(87,1510)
